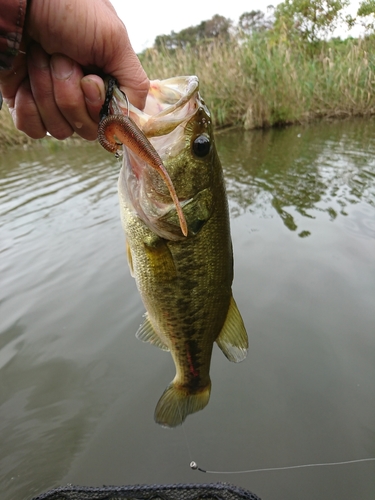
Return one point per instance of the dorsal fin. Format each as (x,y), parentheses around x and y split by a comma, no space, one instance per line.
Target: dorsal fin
(232,339)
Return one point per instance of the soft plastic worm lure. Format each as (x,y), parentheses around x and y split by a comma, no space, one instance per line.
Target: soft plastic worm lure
(118,129)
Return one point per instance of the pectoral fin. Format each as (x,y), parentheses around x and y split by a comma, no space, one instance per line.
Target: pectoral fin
(232,339)
(160,260)
(146,333)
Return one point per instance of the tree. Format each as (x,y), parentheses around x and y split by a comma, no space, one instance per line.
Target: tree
(366,12)
(218,27)
(253,22)
(311,19)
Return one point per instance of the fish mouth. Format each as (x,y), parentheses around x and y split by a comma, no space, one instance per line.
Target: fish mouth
(170,105)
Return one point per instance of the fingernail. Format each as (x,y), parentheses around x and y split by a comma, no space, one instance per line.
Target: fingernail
(38,57)
(62,67)
(91,91)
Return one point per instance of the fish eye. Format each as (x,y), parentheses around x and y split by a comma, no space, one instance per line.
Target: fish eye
(201,146)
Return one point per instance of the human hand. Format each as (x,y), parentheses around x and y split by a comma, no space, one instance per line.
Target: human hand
(54,85)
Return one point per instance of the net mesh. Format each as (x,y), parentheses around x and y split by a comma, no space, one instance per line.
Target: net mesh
(217,491)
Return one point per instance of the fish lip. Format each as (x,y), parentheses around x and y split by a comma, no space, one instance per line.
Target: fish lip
(182,89)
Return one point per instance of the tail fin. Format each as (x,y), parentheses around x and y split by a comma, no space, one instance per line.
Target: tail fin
(177,403)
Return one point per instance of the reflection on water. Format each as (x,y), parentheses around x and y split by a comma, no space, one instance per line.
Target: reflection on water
(78,391)
(304,169)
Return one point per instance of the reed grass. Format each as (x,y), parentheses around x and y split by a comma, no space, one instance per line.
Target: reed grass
(264,81)
(9,135)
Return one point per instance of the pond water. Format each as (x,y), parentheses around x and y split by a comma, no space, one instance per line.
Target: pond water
(78,390)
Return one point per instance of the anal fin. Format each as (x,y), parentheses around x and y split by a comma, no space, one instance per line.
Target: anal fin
(232,339)
(146,333)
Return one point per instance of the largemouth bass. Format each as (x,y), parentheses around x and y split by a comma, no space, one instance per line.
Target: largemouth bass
(183,273)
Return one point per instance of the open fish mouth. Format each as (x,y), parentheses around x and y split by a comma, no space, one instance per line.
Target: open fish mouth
(169,104)
(149,139)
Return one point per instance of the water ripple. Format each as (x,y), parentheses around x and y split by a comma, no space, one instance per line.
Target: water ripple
(300,168)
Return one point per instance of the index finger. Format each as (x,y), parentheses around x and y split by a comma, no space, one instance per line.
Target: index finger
(131,77)
(122,63)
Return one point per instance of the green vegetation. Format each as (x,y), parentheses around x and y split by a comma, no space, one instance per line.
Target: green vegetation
(276,69)
(9,135)
(270,69)
(267,81)
(311,20)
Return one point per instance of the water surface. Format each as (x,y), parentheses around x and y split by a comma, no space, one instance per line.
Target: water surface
(78,390)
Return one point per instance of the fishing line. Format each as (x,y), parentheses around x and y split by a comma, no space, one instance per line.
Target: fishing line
(187,445)
(194,466)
